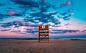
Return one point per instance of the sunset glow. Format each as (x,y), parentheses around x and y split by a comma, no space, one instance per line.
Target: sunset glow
(21,18)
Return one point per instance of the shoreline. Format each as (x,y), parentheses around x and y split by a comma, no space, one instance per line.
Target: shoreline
(37,38)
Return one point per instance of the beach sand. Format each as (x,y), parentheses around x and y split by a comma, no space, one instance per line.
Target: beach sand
(32,46)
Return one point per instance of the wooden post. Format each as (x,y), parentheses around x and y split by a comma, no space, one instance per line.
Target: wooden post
(38,34)
(48,34)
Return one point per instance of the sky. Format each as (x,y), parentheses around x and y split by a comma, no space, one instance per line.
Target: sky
(21,18)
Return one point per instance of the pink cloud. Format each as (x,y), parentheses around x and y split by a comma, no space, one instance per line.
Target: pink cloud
(71,14)
(62,6)
(69,3)
(12,13)
(70,10)
(24,24)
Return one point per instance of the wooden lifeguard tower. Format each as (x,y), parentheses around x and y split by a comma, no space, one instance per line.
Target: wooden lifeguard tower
(43,33)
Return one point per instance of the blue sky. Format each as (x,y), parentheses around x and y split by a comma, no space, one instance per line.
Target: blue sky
(16,16)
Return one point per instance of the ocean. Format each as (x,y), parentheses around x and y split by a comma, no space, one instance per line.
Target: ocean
(43,39)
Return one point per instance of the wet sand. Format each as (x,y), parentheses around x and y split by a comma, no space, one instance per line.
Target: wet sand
(32,46)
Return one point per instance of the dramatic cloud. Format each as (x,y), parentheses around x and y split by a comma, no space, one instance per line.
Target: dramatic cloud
(35,13)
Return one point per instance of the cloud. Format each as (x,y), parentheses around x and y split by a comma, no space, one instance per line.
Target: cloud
(34,12)
(63,13)
(62,5)
(9,14)
(16,31)
(83,31)
(13,14)
(67,24)
(31,31)
(54,7)
(2,30)
(2,4)
(63,31)
(32,3)
(1,17)
(71,14)
(69,3)
(70,10)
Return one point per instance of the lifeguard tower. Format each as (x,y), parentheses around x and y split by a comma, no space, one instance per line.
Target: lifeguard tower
(43,33)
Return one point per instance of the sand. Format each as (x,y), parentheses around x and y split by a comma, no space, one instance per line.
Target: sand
(32,46)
